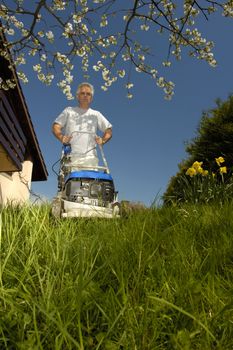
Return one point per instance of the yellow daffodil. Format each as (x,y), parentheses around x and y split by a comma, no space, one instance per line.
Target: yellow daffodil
(223,170)
(191,172)
(205,172)
(199,170)
(197,165)
(219,160)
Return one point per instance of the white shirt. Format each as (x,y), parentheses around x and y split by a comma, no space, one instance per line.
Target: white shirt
(82,125)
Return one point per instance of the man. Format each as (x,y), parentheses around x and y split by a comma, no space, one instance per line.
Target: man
(79,125)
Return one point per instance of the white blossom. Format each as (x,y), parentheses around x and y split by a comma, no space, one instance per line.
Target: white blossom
(43,57)
(166,63)
(37,68)
(105,74)
(144,27)
(20,60)
(68,77)
(24,32)
(112,54)
(41,34)
(10,31)
(22,77)
(161,82)
(96,68)
(33,52)
(59,5)
(66,89)
(50,36)
(141,57)
(104,21)
(76,18)
(7,84)
(78,33)
(129,85)
(121,73)
(228,9)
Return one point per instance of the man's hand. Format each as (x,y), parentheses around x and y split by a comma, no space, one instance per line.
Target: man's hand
(66,139)
(57,131)
(106,137)
(99,140)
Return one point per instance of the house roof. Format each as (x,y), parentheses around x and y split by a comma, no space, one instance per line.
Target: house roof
(18,103)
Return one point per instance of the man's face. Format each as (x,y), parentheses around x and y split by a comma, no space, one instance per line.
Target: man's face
(84,96)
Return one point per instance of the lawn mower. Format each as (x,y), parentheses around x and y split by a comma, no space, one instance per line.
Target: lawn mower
(85,189)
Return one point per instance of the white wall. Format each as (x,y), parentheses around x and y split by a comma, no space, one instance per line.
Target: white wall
(15,187)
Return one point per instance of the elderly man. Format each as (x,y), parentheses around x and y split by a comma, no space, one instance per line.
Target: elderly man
(79,125)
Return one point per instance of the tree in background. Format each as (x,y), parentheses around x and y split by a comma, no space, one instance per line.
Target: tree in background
(214,136)
(214,141)
(108,36)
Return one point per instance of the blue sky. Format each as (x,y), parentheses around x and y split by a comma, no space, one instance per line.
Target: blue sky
(149,133)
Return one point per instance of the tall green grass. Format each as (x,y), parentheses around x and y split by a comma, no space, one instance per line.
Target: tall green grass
(157,279)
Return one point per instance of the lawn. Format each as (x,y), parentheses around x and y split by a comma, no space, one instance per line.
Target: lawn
(157,278)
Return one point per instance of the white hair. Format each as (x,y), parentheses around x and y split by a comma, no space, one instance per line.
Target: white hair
(86,84)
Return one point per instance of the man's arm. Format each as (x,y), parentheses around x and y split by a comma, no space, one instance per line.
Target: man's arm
(105,138)
(57,131)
